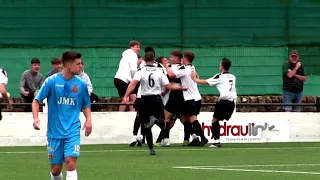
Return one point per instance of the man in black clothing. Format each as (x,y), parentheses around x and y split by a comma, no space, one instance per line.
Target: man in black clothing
(293,80)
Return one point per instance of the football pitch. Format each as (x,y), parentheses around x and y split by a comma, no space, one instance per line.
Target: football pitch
(276,161)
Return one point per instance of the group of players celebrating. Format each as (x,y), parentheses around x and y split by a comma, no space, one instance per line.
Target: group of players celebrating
(166,92)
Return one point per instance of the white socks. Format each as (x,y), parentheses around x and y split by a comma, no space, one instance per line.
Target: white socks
(134,139)
(59,177)
(72,175)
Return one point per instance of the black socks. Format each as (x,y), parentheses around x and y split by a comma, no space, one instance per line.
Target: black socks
(196,127)
(136,125)
(149,137)
(215,129)
(187,130)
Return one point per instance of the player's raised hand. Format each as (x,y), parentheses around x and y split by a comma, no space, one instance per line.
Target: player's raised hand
(87,127)
(166,64)
(36,124)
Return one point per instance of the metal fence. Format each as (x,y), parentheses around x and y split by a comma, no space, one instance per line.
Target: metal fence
(316,104)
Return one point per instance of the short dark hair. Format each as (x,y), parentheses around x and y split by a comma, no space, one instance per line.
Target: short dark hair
(149,56)
(189,56)
(70,56)
(134,43)
(56,61)
(226,64)
(35,61)
(150,49)
(177,54)
(159,59)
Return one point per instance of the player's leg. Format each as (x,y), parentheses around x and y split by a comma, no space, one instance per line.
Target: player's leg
(145,112)
(194,109)
(166,134)
(122,88)
(56,158)
(136,126)
(188,126)
(159,113)
(171,108)
(133,97)
(71,153)
(142,132)
(223,111)
(149,138)
(167,116)
(187,129)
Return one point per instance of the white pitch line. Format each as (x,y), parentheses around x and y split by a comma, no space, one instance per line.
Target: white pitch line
(246,165)
(162,149)
(254,170)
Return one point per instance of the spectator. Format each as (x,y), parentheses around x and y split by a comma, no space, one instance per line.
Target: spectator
(126,70)
(293,81)
(84,76)
(56,66)
(30,82)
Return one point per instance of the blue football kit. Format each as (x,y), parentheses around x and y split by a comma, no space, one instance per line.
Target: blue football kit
(66,99)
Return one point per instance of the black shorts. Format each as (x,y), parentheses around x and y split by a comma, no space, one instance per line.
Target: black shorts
(136,104)
(175,103)
(151,106)
(0,114)
(223,110)
(123,86)
(192,107)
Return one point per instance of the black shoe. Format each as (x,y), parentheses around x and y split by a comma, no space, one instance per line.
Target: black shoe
(152,152)
(203,142)
(133,144)
(195,142)
(139,142)
(144,140)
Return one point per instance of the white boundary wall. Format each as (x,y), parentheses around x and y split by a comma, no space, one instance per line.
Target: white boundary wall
(116,128)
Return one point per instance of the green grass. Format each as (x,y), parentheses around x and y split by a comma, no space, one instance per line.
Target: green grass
(119,162)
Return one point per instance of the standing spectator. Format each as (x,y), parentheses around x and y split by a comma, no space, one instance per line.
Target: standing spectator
(127,68)
(293,79)
(56,67)
(30,82)
(85,77)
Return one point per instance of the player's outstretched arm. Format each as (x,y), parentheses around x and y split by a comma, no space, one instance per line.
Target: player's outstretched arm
(195,77)
(169,71)
(176,88)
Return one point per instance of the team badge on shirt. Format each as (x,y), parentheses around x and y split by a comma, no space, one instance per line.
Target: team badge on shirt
(75,88)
